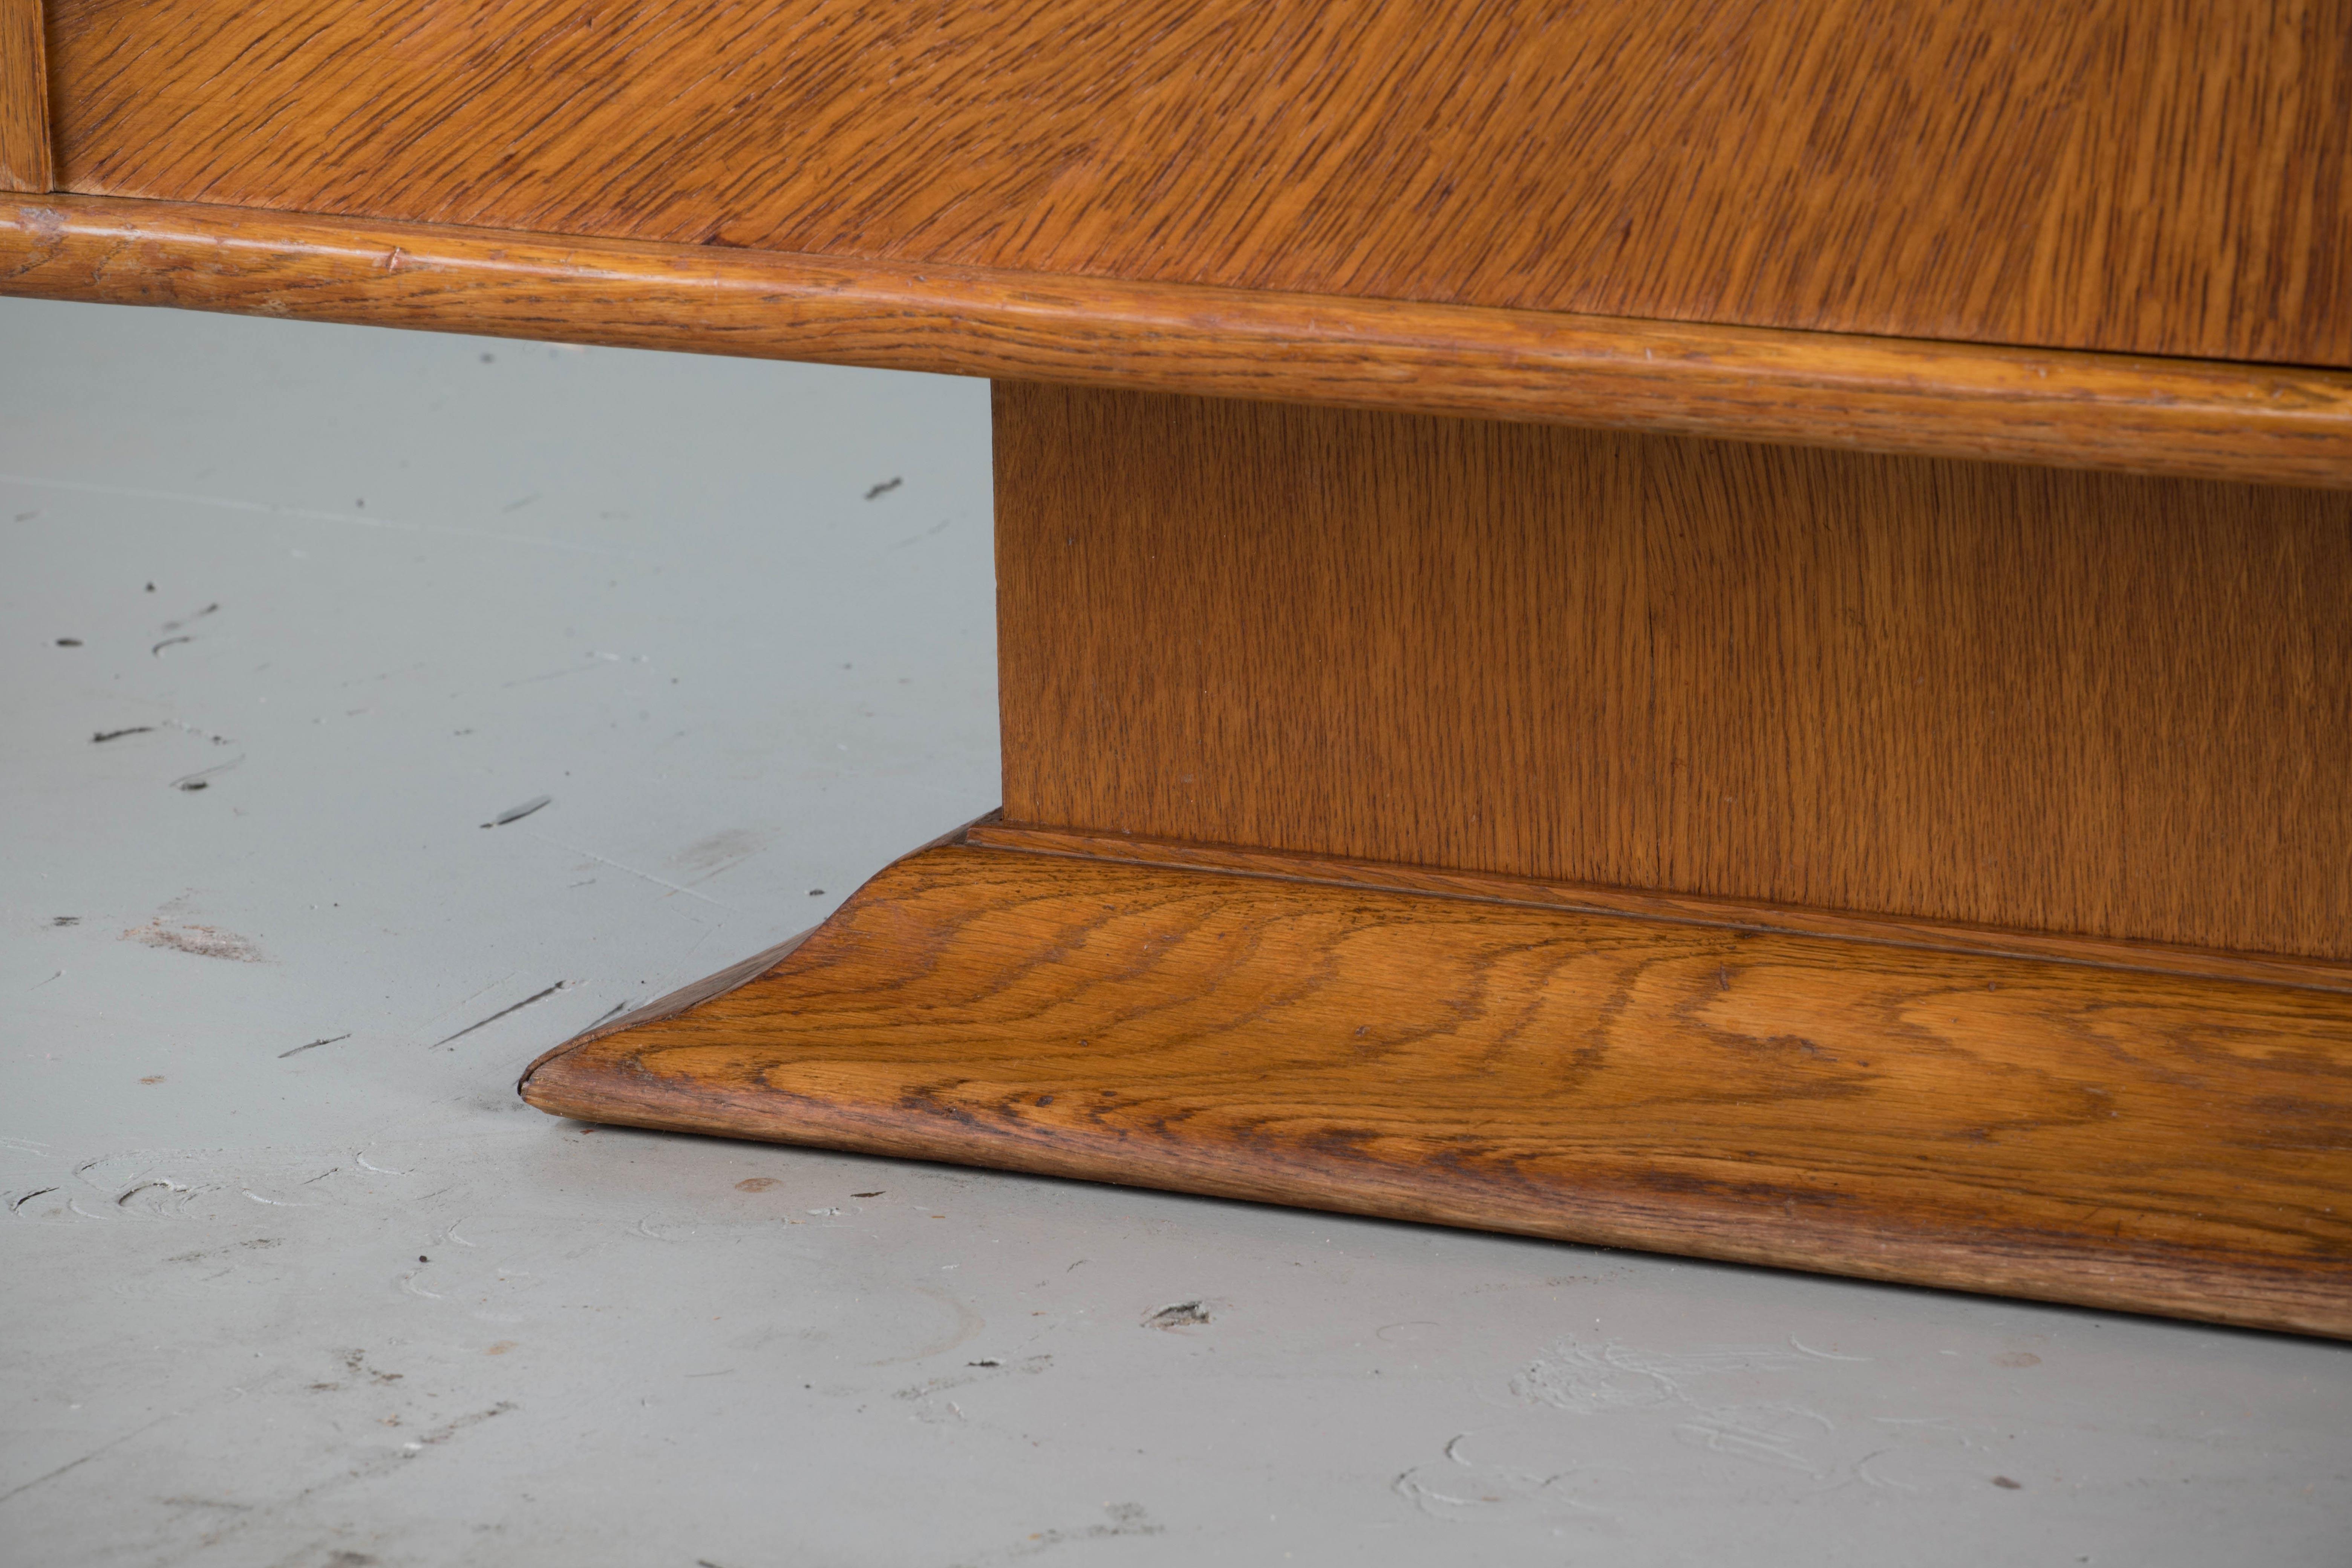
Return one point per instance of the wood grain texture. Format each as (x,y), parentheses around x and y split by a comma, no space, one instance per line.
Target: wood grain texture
(2022,698)
(992,832)
(2163,416)
(25,161)
(2148,1143)
(2149,176)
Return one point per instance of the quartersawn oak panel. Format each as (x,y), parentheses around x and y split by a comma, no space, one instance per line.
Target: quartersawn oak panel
(2032,699)
(25,163)
(2136,415)
(2143,1141)
(2150,176)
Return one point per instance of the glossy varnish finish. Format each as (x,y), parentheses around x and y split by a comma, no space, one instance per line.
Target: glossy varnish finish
(992,832)
(1962,691)
(2150,176)
(24,163)
(2151,1142)
(2136,415)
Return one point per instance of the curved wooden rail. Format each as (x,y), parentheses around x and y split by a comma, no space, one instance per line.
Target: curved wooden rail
(2189,418)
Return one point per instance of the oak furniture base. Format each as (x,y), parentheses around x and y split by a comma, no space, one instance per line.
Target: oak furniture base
(1898,1106)
(1397,760)
(1917,868)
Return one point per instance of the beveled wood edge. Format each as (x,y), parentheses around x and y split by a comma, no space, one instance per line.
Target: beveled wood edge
(608,1087)
(2235,1294)
(1891,931)
(30,164)
(2269,424)
(671,1004)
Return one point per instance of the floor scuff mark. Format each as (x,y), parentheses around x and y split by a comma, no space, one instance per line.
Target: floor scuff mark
(631,871)
(540,997)
(517,813)
(419,1445)
(1182,1315)
(968,1324)
(202,942)
(308,514)
(1126,1519)
(313,1046)
(203,777)
(85,1458)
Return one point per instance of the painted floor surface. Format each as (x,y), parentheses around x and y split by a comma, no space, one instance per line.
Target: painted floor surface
(290,1277)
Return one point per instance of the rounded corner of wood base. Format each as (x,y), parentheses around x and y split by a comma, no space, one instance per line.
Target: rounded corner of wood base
(1931,1117)
(544,1085)
(568,1079)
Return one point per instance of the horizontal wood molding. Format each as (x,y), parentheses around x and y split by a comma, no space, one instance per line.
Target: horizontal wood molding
(2136,177)
(2265,424)
(1989,694)
(2149,1143)
(25,164)
(992,832)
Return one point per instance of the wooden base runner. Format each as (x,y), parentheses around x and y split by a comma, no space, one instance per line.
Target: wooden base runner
(1927,870)
(2163,1143)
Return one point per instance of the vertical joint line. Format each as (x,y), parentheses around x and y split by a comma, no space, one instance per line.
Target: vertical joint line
(28,160)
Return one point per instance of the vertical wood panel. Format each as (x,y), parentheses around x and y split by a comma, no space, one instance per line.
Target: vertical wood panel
(25,161)
(2031,698)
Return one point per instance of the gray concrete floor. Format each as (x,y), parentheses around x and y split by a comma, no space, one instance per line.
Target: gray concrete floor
(291,1278)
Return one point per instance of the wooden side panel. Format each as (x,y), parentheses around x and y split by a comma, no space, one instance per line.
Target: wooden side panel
(2021,698)
(25,161)
(2143,1141)
(2153,176)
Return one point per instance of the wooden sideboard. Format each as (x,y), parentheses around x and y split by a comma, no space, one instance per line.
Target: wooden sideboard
(1722,628)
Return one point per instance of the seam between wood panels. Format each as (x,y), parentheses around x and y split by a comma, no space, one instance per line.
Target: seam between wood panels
(27,138)
(1989,946)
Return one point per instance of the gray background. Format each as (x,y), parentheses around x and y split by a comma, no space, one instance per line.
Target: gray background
(273,1303)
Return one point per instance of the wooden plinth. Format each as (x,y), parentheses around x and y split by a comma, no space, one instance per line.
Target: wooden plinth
(2159,1142)
(1920,870)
